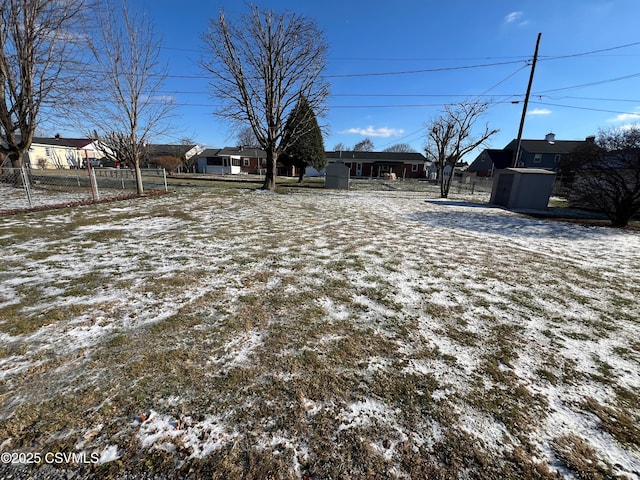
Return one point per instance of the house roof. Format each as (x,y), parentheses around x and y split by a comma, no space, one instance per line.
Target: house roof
(543,146)
(156,150)
(396,157)
(62,142)
(490,157)
(233,151)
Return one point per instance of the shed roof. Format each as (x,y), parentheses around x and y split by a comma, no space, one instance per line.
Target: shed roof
(531,171)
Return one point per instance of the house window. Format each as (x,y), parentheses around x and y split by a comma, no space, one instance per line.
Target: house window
(537,158)
(264,161)
(414,167)
(557,158)
(214,161)
(47,151)
(246,162)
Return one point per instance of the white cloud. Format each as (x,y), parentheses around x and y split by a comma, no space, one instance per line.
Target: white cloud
(539,111)
(625,117)
(513,17)
(158,98)
(383,132)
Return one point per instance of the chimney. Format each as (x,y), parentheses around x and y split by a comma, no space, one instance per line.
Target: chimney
(590,139)
(57,135)
(550,137)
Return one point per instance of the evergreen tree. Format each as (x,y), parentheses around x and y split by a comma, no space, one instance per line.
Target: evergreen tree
(307,146)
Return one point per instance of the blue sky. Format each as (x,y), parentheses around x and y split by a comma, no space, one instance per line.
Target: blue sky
(493,41)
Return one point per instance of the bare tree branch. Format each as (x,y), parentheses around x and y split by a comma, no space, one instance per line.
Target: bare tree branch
(127,110)
(608,175)
(259,69)
(41,65)
(450,137)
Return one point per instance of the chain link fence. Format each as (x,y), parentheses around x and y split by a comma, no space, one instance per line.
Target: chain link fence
(25,188)
(477,188)
(472,188)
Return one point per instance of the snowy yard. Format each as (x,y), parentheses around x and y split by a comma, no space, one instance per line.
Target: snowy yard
(240,334)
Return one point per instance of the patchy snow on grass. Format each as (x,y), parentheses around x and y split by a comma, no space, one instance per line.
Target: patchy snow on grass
(109,454)
(164,432)
(361,331)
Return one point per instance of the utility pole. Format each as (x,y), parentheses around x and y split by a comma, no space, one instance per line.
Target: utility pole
(526,102)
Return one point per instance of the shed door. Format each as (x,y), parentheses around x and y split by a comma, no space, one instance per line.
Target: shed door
(503,190)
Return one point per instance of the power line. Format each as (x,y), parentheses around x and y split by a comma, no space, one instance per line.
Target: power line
(576,107)
(591,52)
(431,59)
(426,70)
(625,100)
(590,84)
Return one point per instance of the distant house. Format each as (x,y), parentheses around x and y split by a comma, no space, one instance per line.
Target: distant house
(61,152)
(183,152)
(232,160)
(547,154)
(381,164)
(490,160)
(236,160)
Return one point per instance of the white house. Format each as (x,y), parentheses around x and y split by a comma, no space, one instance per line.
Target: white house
(61,152)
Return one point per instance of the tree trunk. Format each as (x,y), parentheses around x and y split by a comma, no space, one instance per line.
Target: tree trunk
(270,176)
(442,182)
(446,185)
(16,159)
(621,215)
(300,174)
(139,185)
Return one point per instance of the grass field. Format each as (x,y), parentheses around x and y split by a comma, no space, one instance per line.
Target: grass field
(232,333)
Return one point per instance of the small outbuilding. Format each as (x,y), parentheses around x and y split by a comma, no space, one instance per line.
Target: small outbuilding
(522,188)
(337,176)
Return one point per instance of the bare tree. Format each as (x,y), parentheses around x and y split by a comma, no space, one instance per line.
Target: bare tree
(130,110)
(400,148)
(607,175)
(450,137)
(247,138)
(340,147)
(365,145)
(260,67)
(40,66)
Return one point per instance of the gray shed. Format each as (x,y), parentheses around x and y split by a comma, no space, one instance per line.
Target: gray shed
(337,176)
(522,188)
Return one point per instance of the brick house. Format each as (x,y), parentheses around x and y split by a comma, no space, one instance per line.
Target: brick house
(378,164)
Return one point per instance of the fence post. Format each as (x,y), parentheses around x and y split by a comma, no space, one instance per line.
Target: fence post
(93,183)
(26,184)
(164,174)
